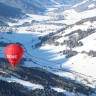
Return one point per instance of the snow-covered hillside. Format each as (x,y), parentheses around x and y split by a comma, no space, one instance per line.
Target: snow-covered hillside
(27,84)
(62,43)
(80,11)
(85,5)
(69,2)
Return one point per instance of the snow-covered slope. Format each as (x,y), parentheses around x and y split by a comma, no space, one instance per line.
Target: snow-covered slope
(81,10)
(65,50)
(69,2)
(85,5)
(63,91)
(27,84)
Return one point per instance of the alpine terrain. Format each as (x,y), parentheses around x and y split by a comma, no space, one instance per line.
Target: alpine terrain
(59,42)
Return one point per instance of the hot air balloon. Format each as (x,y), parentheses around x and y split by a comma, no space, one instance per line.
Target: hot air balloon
(13,53)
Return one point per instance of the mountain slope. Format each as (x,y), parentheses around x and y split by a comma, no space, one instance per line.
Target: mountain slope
(16,7)
(51,47)
(8,11)
(11,79)
(85,5)
(69,2)
(76,42)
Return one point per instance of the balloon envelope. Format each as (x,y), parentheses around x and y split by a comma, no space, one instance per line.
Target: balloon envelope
(13,53)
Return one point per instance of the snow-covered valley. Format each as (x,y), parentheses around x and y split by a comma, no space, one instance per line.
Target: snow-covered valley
(65,47)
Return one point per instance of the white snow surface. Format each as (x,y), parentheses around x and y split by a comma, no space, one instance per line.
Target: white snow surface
(67,93)
(55,2)
(91,6)
(27,84)
(63,91)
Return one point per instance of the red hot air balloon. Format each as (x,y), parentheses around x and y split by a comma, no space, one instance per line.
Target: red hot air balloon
(13,53)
